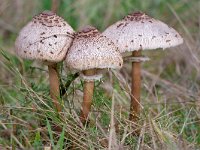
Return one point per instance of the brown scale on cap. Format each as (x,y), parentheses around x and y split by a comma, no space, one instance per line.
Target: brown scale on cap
(49,19)
(87,31)
(137,16)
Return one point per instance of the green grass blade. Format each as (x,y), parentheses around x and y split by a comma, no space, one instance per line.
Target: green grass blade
(37,141)
(61,140)
(50,132)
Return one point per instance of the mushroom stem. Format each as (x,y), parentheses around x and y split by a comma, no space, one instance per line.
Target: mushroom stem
(54,85)
(136,85)
(54,5)
(88,95)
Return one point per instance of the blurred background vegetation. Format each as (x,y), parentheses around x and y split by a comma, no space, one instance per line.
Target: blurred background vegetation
(171,82)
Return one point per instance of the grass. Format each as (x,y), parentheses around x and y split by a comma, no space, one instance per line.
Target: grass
(170,84)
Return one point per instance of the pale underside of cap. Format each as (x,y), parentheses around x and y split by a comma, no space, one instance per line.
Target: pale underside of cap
(92,50)
(46,37)
(138,31)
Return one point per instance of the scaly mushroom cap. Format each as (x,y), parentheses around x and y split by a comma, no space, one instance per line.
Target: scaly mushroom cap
(46,37)
(91,50)
(139,31)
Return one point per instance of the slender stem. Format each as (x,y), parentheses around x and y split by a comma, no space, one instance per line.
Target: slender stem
(54,5)
(87,97)
(136,85)
(54,86)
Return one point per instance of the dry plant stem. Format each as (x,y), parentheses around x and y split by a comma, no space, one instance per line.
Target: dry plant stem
(136,85)
(54,5)
(54,85)
(87,97)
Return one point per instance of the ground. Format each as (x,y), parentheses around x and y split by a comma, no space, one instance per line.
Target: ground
(170,101)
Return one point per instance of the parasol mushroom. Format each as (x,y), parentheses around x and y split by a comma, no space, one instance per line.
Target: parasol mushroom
(136,32)
(46,38)
(89,52)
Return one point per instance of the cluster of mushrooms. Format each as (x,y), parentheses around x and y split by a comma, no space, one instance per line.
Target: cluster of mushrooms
(50,39)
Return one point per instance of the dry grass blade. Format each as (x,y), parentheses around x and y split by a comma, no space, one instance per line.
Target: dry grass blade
(180,21)
(141,137)
(112,143)
(153,137)
(12,136)
(184,124)
(174,87)
(165,137)
(124,85)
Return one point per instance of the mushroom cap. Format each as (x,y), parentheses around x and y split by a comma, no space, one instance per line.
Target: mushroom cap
(46,37)
(91,50)
(139,31)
